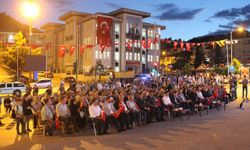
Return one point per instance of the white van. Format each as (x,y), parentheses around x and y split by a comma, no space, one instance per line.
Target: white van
(42,83)
(16,88)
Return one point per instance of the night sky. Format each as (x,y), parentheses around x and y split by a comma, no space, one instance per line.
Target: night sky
(184,19)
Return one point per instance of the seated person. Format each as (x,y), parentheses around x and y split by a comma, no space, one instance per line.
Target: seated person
(110,112)
(47,116)
(63,114)
(134,110)
(96,113)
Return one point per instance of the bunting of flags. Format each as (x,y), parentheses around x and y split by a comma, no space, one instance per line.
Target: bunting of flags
(189,45)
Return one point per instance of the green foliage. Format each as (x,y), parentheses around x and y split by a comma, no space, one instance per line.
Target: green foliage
(181,59)
(218,57)
(220,70)
(187,69)
(237,64)
(199,57)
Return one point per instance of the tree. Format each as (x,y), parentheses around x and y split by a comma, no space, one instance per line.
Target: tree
(236,63)
(16,53)
(181,59)
(218,57)
(199,57)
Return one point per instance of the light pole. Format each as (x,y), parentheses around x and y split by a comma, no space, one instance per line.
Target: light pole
(30,10)
(227,58)
(240,29)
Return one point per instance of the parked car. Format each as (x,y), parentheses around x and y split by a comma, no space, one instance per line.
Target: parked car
(42,83)
(46,74)
(16,88)
(69,80)
(143,77)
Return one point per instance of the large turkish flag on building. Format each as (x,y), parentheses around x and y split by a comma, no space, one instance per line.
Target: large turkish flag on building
(103,31)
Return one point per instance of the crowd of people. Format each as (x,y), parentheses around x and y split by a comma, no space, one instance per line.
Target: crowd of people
(123,103)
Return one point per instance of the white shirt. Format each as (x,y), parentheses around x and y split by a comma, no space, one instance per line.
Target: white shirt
(199,95)
(109,108)
(95,111)
(132,105)
(46,112)
(166,100)
(99,86)
(62,110)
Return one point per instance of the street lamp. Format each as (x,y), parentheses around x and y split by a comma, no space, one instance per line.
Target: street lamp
(30,10)
(239,29)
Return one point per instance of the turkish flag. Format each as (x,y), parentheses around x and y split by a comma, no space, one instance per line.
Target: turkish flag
(188,48)
(175,45)
(181,45)
(104,25)
(61,51)
(149,43)
(82,49)
(156,40)
(143,43)
(72,49)
(128,45)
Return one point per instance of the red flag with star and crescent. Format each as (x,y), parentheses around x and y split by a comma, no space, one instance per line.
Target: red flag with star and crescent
(72,49)
(82,49)
(103,32)
(61,51)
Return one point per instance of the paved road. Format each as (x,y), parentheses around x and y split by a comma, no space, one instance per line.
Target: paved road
(224,130)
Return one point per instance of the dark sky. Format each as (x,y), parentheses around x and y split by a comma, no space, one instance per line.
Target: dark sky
(184,19)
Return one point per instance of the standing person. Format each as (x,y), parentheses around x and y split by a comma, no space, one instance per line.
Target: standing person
(18,108)
(235,85)
(35,90)
(244,87)
(27,110)
(7,104)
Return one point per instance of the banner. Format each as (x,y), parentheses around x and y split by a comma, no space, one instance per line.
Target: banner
(71,50)
(104,25)
(61,51)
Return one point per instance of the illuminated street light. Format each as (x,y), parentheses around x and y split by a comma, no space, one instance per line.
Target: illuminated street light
(30,9)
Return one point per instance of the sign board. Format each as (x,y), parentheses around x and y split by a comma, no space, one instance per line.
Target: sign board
(245,72)
(231,69)
(34,63)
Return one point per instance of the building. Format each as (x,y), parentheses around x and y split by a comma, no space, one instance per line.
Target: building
(241,50)
(134,44)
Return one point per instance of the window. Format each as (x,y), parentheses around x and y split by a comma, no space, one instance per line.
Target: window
(108,55)
(96,54)
(117,57)
(18,85)
(116,50)
(130,56)
(148,58)
(135,56)
(139,57)
(2,85)
(100,55)
(116,63)
(9,85)
(104,55)
(157,58)
(151,56)
(126,55)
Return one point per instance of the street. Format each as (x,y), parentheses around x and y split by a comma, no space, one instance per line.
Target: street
(218,130)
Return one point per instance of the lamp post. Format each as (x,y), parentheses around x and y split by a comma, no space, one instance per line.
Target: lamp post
(30,10)
(240,29)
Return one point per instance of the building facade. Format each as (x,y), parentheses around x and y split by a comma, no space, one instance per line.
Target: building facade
(241,50)
(134,43)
